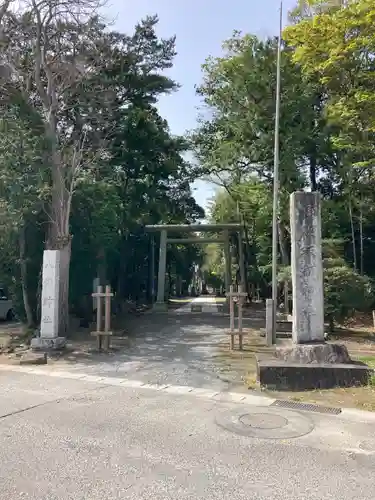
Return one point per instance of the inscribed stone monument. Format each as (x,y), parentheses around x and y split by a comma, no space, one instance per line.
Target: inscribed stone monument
(49,327)
(307,268)
(309,363)
(50,294)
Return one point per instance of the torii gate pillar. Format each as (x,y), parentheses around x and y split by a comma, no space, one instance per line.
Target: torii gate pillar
(160,303)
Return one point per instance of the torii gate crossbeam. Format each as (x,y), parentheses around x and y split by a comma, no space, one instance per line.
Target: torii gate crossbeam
(190,228)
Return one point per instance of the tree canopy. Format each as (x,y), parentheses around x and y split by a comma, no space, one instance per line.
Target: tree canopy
(326,137)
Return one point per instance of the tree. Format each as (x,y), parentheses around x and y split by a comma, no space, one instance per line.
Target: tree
(239,91)
(337,47)
(48,60)
(112,162)
(310,8)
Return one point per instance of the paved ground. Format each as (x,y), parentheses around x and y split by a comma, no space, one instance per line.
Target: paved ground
(67,439)
(89,431)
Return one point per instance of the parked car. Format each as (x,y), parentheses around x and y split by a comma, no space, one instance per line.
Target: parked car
(6,306)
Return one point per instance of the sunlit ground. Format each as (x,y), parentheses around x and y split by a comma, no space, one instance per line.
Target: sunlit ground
(186,300)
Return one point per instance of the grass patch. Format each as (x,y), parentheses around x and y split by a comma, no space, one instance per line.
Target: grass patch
(179,301)
(251,381)
(368,360)
(220,300)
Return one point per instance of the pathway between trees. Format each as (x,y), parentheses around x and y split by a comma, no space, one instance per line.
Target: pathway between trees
(178,347)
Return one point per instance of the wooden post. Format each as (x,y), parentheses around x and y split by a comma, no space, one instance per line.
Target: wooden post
(231,312)
(103,299)
(99,291)
(107,315)
(373,318)
(238,297)
(240,302)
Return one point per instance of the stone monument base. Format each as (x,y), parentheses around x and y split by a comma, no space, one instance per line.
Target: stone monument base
(311,366)
(48,344)
(314,353)
(160,307)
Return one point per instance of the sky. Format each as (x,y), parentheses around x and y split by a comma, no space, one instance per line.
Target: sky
(200,27)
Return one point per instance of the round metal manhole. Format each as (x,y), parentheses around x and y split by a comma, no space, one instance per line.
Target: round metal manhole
(368,446)
(263,421)
(266,423)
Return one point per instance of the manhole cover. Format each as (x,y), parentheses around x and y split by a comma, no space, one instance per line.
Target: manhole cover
(266,423)
(263,421)
(367,446)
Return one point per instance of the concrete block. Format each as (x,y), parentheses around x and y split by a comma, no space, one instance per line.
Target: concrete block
(280,375)
(32,358)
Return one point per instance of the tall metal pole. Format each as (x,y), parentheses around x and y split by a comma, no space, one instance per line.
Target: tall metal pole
(276,182)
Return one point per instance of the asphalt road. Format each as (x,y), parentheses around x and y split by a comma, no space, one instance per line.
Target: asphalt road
(72,439)
(92,429)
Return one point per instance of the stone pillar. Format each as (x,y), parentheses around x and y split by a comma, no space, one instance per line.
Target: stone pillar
(49,326)
(227,261)
(152,269)
(95,284)
(160,301)
(307,268)
(269,321)
(242,259)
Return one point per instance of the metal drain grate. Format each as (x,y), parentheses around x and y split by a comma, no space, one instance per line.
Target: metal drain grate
(294,405)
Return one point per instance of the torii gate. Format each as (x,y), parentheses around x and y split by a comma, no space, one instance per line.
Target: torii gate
(224,229)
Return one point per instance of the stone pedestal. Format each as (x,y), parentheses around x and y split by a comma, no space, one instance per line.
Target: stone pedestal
(307,270)
(314,353)
(44,344)
(49,327)
(160,307)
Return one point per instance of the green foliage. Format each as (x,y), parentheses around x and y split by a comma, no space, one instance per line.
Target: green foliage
(337,47)
(326,141)
(239,90)
(345,292)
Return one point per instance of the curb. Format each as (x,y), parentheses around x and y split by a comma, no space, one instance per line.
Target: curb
(227,397)
(348,414)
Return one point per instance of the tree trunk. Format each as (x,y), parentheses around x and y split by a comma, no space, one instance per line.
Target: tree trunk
(102,267)
(361,238)
(353,233)
(65,253)
(23,270)
(313,182)
(59,237)
(331,324)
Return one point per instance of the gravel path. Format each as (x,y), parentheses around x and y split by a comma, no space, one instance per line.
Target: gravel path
(178,347)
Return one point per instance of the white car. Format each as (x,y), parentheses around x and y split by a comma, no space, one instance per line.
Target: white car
(6,306)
